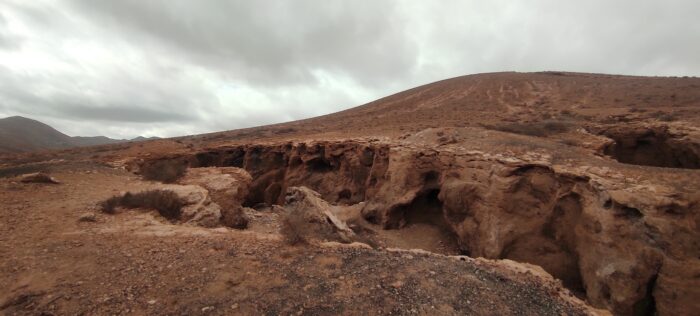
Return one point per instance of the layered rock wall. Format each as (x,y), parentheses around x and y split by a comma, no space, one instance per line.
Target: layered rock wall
(631,249)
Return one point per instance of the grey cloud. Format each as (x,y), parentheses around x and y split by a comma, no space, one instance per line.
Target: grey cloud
(130,103)
(172,67)
(269,42)
(7,39)
(121,113)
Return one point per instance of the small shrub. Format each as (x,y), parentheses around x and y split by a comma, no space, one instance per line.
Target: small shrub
(110,205)
(667,117)
(166,171)
(569,142)
(555,127)
(292,229)
(637,110)
(234,218)
(167,203)
(539,129)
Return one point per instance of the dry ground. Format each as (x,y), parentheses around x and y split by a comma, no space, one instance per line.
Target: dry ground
(137,263)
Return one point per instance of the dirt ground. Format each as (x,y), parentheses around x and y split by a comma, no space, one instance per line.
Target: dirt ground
(135,262)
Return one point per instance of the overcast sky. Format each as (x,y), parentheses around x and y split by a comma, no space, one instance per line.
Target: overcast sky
(123,68)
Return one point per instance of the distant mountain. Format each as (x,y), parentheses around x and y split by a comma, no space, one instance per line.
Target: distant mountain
(95,140)
(141,139)
(20,134)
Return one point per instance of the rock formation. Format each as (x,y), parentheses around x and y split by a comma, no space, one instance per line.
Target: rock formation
(227,188)
(314,216)
(608,237)
(211,197)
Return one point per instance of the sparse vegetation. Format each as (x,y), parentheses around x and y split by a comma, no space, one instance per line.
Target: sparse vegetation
(234,218)
(166,202)
(292,229)
(539,129)
(667,117)
(166,171)
(567,113)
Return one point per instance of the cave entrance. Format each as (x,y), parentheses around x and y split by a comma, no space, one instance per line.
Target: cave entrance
(653,148)
(421,224)
(426,208)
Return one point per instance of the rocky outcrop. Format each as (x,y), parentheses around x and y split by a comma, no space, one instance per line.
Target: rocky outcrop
(227,187)
(340,172)
(610,245)
(197,207)
(313,217)
(671,146)
(212,196)
(618,243)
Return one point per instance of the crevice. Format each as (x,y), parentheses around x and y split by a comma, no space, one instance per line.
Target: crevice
(652,147)
(319,165)
(541,221)
(626,212)
(646,306)
(323,167)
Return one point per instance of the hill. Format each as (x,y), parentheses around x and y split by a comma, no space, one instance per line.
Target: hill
(20,134)
(495,98)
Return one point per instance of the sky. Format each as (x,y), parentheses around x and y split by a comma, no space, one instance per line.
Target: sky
(179,67)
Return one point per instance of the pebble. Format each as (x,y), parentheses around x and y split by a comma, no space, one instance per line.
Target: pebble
(151,302)
(207,309)
(87,217)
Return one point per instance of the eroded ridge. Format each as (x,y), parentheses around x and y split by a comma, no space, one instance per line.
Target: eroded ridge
(620,247)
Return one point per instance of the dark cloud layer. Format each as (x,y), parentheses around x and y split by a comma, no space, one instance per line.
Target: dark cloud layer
(172,67)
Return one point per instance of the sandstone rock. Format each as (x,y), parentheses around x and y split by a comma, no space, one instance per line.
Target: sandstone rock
(212,196)
(227,187)
(205,215)
(87,217)
(38,177)
(307,206)
(654,144)
(678,287)
(197,209)
(234,182)
(604,229)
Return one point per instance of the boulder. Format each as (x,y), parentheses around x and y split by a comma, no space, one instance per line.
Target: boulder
(227,188)
(198,208)
(306,208)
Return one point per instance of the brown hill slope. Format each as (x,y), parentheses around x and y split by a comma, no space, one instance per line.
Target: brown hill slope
(483,99)
(19,134)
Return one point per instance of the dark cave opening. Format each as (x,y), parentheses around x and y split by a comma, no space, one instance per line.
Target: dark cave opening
(319,165)
(426,208)
(653,148)
(647,305)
